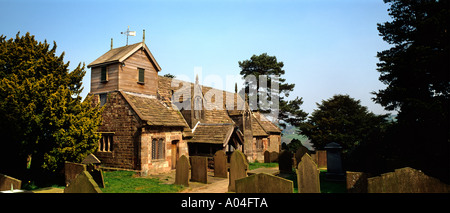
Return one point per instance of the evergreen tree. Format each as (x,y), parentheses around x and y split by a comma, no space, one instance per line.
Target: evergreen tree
(258,65)
(43,120)
(416,72)
(341,119)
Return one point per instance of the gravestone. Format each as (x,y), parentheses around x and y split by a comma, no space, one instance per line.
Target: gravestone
(71,170)
(299,154)
(220,164)
(273,157)
(97,175)
(264,183)
(308,179)
(83,183)
(238,169)
(406,180)
(7,182)
(285,161)
(182,171)
(334,162)
(267,157)
(356,182)
(199,169)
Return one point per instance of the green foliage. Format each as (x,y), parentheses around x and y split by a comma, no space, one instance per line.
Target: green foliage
(256,165)
(289,111)
(416,72)
(42,117)
(125,182)
(168,75)
(341,119)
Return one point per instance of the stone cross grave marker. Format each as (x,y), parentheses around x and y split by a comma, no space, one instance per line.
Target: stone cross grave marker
(238,169)
(220,164)
(308,180)
(264,183)
(182,171)
(199,169)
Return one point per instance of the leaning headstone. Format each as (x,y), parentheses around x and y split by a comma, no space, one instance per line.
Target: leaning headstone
(334,162)
(266,156)
(71,170)
(308,179)
(285,162)
(356,182)
(238,169)
(199,169)
(83,183)
(97,175)
(264,183)
(182,171)
(220,164)
(9,183)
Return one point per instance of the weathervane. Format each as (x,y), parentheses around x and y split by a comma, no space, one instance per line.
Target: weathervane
(129,33)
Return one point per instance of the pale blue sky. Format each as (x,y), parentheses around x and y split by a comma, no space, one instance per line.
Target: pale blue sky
(328,47)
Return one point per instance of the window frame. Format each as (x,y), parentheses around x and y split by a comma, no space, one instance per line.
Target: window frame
(104,74)
(141,71)
(158,149)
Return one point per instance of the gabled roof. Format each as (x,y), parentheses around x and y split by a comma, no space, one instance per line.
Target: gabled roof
(118,55)
(266,124)
(213,133)
(153,111)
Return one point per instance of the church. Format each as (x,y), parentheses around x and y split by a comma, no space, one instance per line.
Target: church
(144,130)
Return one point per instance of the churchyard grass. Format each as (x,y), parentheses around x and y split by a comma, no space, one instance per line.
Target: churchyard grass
(256,165)
(126,182)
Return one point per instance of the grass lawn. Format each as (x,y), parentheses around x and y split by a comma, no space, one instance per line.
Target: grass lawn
(259,165)
(126,182)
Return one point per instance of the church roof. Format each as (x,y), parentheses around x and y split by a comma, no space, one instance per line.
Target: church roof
(213,133)
(118,55)
(153,111)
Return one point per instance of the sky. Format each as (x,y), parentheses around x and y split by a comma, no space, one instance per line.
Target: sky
(328,47)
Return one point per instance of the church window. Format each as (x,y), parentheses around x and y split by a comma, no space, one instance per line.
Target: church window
(158,149)
(141,76)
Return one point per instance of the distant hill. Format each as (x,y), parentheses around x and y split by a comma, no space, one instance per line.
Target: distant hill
(290,133)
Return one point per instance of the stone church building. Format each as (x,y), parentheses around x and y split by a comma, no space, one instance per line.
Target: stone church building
(143,130)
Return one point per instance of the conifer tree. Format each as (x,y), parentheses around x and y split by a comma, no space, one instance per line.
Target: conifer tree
(43,120)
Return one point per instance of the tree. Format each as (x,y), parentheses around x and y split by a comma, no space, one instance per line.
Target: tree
(341,119)
(259,65)
(416,72)
(43,121)
(168,75)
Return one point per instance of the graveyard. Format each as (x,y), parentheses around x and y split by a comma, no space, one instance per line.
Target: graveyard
(278,174)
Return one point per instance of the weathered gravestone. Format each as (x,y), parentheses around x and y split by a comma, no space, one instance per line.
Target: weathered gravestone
(220,164)
(199,169)
(264,183)
(406,180)
(83,183)
(273,157)
(7,182)
(71,170)
(308,175)
(299,154)
(356,182)
(334,162)
(182,171)
(238,169)
(266,156)
(285,162)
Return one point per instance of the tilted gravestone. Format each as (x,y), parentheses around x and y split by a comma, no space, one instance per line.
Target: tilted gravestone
(220,164)
(264,183)
(308,180)
(285,162)
(71,170)
(182,171)
(238,169)
(83,183)
(199,169)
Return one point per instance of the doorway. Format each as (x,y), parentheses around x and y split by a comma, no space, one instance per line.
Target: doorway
(175,153)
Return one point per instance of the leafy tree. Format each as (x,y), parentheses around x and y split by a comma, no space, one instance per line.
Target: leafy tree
(43,121)
(341,119)
(416,72)
(258,65)
(168,75)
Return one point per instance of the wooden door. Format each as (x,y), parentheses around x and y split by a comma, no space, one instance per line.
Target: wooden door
(175,153)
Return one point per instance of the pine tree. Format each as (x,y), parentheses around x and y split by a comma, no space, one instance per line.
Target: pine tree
(43,120)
